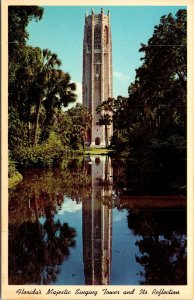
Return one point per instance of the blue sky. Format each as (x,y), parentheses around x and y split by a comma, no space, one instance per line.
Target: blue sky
(61,30)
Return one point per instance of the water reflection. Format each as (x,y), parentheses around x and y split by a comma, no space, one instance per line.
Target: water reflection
(97,224)
(121,239)
(162,245)
(36,251)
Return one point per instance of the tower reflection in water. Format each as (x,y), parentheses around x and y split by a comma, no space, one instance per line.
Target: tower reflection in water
(97,223)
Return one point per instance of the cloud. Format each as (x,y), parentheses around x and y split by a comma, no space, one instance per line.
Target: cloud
(79,92)
(120,76)
(69,206)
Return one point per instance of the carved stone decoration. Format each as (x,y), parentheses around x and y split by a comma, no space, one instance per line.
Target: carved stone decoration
(105,36)
(97,58)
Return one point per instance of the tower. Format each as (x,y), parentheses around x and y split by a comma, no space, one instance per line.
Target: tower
(97,73)
(97,222)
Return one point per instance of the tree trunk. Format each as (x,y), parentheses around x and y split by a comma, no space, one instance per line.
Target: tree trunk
(29,109)
(106,136)
(37,213)
(37,121)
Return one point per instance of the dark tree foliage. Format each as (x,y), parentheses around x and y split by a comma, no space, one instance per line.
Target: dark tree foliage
(162,245)
(105,110)
(36,251)
(18,19)
(160,85)
(156,107)
(81,120)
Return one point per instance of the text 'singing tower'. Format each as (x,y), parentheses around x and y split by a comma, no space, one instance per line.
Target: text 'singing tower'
(97,72)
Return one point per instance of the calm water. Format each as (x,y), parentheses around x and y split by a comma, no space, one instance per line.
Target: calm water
(81,225)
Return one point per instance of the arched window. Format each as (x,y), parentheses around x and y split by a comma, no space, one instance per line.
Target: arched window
(97,141)
(105,35)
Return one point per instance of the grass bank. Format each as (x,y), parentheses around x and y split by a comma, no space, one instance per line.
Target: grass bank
(14,179)
(97,151)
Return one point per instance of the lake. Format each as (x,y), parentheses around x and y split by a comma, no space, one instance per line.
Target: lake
(90,224)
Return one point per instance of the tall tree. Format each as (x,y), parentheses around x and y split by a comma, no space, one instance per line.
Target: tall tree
(37,87)
(21,67)
(48,62)
(105,109)
(60,92)
(18,19)
(81,120)
(160,84)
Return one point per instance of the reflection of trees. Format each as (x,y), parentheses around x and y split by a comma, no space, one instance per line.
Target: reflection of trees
(36,251)
(42,186)
(162,245)
(148,176)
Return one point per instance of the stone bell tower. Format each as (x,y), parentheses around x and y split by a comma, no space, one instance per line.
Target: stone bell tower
(97,73)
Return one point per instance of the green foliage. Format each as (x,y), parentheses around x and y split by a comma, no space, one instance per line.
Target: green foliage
(17,130)
(164,155)
(13,175)
(105,110)
(48,154)
(81,120)
(150,125)
(160,86)
(18,19)
(12,168)
(38,89)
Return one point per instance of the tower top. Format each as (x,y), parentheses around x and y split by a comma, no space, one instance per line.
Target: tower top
(101,12)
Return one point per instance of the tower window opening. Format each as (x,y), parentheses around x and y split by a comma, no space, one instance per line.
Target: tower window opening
(97,141)
(97,37)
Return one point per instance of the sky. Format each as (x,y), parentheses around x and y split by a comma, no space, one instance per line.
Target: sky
(62,27)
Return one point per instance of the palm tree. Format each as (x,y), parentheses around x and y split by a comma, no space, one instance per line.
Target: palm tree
(60,92)
(105,120)
(47,62)
(52,87)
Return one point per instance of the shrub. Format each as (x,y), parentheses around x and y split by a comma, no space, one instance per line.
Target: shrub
(48,154)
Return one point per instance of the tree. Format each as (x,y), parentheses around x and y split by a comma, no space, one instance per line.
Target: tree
(105,109)
(160,85)
(22,83)
(81,120)
(18,19)
(162,245)
(22,59)
(105,120)
(52,88)
(36,251)
(21,66)
(37,87)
